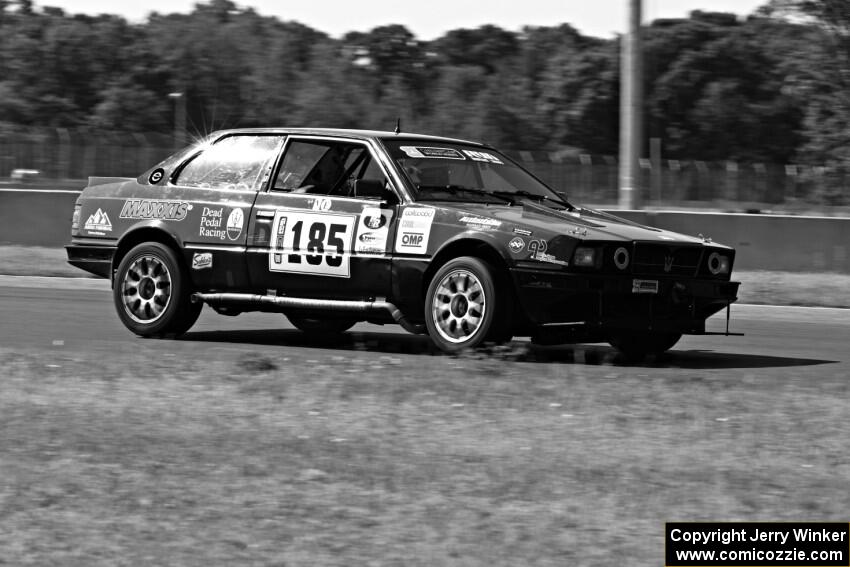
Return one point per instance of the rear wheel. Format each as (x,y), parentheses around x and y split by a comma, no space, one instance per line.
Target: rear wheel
(636,345)
(321,326)
(463,307)
(151,292)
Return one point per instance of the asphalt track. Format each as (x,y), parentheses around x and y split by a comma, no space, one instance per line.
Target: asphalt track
(76,316)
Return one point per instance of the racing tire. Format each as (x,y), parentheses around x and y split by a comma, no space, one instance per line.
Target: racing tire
(636,345)
(152,292)
(464,307)
(321,326)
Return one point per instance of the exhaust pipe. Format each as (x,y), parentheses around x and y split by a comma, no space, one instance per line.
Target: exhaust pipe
(284,303)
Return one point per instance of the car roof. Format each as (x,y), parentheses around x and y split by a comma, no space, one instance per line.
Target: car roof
(346,133)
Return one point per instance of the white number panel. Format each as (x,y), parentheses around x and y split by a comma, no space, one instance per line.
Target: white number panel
(312,243)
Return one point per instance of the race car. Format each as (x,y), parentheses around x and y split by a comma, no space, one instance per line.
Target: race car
(445,237)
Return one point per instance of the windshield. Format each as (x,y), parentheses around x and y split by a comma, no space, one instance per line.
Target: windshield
(454,172)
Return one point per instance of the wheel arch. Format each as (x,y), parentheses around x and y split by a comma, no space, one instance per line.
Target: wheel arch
(145,233)
(467,246)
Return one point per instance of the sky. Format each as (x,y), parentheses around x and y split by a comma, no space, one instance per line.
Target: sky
(428,19)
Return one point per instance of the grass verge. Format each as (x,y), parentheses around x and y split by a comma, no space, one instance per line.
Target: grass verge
(146,459)
(760,287)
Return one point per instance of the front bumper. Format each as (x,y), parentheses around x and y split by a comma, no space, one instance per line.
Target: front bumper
(604,302)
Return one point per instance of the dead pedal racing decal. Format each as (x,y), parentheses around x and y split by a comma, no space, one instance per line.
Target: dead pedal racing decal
(373,231)
(201,260)
(154,209)
(312,243)
(414,230)
(212,219)
(98,223)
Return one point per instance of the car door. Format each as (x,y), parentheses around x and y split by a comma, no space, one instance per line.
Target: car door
(324,226)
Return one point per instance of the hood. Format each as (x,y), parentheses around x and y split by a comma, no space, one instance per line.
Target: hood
(587,224)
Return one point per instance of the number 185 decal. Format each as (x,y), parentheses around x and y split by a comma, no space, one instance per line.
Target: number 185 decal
(311,243)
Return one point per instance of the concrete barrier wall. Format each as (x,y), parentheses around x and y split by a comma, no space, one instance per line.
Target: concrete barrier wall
(763,242)
(36,218)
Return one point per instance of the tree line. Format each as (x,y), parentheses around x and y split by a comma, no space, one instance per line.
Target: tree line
(772,87)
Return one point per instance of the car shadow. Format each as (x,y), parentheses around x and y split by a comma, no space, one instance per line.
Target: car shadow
(518,350)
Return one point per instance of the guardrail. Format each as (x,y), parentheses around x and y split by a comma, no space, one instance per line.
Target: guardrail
(763,242)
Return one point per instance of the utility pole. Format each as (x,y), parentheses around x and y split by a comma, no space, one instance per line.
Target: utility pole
(179,118)
(631,110)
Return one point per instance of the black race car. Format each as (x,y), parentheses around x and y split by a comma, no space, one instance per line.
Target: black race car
(442,236)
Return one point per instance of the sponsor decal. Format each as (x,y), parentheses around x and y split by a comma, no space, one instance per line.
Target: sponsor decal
(234,224)
(211,221)
(538,252)
(414,230)
(156,176)
(321,204)
(424,152)
(154,209)
(313,243)
(98,223)
(373,222)
(201,260)
(549,259)
(482,156)
(481,223)
(537,246)
(516,245)
(373,231)
(522,231)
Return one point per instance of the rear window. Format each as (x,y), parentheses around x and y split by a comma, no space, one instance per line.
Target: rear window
(240,162)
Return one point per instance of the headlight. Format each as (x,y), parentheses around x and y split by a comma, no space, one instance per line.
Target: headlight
(621,258)
(718,264)
(584,257)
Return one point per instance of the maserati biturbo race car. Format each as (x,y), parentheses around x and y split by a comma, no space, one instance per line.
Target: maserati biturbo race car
(442,236)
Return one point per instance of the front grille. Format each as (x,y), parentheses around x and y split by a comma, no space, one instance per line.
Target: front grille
(662,259)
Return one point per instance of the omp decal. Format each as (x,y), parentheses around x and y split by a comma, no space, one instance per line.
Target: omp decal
(156,176)
(481,223)
(483,156)
(426,152)
(414,230)
(516,245)
(154,209)
(311,243)
(522,231)
(235,220)
(322,204)
(373,231)
(98,223)
(202,260)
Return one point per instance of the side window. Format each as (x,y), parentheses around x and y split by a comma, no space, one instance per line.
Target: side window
(326,168)
(236,162)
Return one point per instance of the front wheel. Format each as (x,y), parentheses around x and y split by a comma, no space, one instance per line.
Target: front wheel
(151,292)
(463,307)
(636,345)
